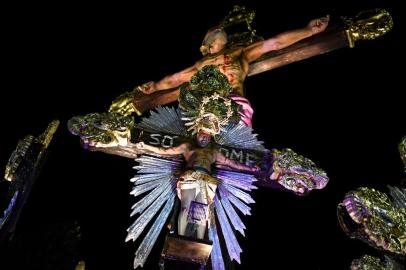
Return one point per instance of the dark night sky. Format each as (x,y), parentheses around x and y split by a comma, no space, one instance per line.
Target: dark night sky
(344,110)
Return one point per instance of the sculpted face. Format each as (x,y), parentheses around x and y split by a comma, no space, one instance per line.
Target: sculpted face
(203,138)
(214,41)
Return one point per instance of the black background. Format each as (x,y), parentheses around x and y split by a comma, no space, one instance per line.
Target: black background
(345,110)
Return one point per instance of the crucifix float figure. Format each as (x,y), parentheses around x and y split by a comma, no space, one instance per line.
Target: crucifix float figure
(244,53)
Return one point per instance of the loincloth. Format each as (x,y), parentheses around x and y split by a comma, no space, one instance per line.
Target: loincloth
(191,179)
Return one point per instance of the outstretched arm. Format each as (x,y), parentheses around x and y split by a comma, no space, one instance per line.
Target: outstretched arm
(168,82)
(125,103)
(256,50)
(221,159)
(181,149)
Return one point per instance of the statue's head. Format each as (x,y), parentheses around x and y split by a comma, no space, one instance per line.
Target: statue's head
(214,41)
(369,215)
(297,173)
(203,138)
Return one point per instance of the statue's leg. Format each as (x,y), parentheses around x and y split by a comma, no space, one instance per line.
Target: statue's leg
(187,196)
(201,229)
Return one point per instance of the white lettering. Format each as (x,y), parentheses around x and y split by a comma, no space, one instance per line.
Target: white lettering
(167,141)
(237,155)
(155,137)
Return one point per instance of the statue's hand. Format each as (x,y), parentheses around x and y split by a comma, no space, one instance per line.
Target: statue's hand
(124,104)
(318,25)
(140,146)
(147,88)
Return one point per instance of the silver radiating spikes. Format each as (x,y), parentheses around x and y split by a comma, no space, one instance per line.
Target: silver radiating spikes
(142,204)
(140,189)
(152,160)
(145,178)
(165,119)
(231,213)
(138,226)
(245,209)
(237,179)
(157,165)
(233,247)
(216,256)
(146,245)
(245,197)
(239,136)
(156,174)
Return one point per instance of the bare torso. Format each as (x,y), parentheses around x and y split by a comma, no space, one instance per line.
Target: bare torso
(232,64)
(200,158)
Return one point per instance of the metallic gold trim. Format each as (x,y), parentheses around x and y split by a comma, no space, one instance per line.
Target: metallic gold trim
(367,25)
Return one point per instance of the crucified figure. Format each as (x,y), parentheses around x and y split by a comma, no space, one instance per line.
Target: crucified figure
(232,62)
(196,187)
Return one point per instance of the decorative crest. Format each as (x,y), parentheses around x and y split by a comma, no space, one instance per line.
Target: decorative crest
(238,26)
(368,25)
(205,103)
